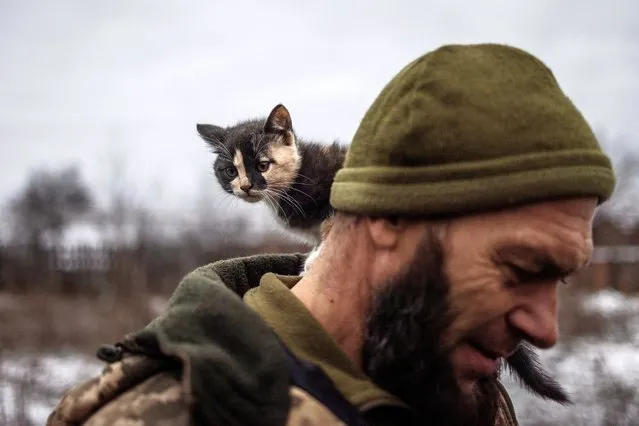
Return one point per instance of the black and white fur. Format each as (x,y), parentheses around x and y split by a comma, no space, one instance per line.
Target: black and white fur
(264,160)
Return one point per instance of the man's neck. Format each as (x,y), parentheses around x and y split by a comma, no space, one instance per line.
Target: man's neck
(340,300)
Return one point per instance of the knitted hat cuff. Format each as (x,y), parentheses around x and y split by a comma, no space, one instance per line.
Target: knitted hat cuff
(454,190)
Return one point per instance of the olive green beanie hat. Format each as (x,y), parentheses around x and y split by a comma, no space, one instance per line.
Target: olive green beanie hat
(467,128)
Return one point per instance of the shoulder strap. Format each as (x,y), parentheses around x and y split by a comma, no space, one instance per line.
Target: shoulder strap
(313,380)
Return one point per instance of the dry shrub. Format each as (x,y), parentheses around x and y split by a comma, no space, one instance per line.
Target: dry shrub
(39,326)
(45,321)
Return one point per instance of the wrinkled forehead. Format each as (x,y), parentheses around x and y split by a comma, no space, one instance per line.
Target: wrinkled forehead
(556,234)
(554,237)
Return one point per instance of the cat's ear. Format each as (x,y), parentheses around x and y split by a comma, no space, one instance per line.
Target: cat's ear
(278,121)
(212,134)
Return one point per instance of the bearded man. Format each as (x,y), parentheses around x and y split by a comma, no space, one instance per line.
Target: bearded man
(467,196)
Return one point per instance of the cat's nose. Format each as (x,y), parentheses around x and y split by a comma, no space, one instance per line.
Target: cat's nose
(246,188)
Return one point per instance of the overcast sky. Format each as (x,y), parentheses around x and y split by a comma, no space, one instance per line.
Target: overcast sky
(90,81)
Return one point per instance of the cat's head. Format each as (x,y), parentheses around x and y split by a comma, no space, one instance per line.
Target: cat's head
(256,159)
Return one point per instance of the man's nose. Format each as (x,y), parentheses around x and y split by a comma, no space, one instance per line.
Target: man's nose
(536,315)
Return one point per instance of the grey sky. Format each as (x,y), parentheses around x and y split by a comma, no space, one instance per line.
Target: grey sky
(84,81)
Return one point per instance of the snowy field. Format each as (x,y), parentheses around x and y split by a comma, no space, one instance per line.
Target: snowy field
(602,376)
(31,385)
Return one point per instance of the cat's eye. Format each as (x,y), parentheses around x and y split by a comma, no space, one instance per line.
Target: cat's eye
(263,166)
(231,172)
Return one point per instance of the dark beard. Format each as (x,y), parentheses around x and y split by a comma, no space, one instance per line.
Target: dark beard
(401,351)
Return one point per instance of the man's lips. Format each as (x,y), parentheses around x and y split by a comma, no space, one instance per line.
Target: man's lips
(482,362)
(492,352)
(485,360)
(487,352)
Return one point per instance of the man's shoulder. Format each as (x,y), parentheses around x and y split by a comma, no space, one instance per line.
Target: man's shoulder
(139,391)
(207,354)
(240,274)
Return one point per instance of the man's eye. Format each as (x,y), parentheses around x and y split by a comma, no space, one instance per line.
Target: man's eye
(522,275)
(525,276)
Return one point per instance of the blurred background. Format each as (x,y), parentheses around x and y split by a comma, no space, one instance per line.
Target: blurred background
(108,196)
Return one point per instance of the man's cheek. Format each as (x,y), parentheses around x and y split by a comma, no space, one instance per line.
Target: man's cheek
(476,297)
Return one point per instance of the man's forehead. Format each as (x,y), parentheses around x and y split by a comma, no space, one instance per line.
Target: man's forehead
(555,259)
(572,210)
(568,218)
(554,234)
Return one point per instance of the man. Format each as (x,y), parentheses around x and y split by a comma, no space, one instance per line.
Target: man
(467,196)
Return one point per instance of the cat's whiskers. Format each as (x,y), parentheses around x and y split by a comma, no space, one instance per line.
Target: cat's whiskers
(226,154)
(312,181)
(285,188)
(303,193)
(306,184)
(282,195)
(296,208)
(281,191)
(273,204)
(230,199)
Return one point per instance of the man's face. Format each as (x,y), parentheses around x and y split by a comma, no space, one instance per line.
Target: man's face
(467,297)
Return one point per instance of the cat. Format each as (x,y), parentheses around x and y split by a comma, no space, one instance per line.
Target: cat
(264,160)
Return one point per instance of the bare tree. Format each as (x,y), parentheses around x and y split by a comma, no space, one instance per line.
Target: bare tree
(48,204)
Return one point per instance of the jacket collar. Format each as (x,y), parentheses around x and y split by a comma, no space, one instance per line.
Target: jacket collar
(306,338)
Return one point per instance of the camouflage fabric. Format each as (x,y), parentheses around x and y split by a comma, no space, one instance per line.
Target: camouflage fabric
(133,390)
(199,364)
(132,393)
(161,400)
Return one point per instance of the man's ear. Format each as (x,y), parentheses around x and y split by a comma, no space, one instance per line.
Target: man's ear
(385,232)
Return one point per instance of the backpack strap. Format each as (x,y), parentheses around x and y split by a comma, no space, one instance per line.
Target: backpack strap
(313,380)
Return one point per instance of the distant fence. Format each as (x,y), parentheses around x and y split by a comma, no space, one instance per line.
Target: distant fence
(614,266)
(83,259)
(154,268)
(616,254)
(160,268)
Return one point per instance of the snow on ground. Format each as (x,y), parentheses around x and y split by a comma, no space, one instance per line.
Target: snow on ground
(31,384)
(608,302)
(595,375)
(602,376)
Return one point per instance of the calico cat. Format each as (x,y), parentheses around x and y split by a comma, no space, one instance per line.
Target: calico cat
(264,160)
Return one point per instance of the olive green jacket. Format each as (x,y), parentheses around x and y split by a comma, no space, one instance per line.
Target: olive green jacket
(213,358)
